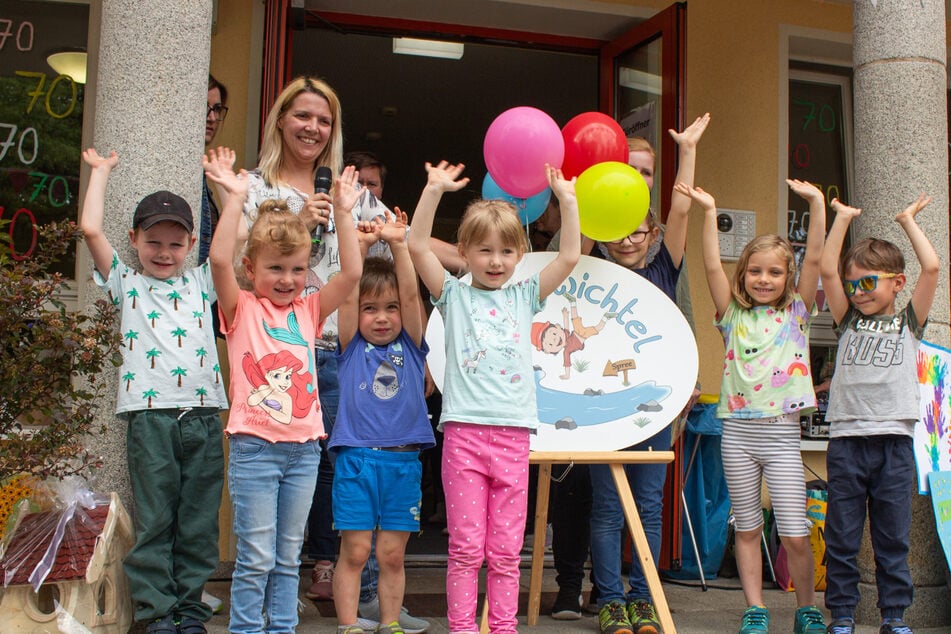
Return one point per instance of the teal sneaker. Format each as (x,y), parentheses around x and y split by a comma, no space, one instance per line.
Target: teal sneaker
(755,620)
(809,621)
(613,619)
(643,617)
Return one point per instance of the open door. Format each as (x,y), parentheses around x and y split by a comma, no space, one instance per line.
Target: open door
(642,77)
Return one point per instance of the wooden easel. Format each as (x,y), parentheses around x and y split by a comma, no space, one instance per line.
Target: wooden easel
(616,461)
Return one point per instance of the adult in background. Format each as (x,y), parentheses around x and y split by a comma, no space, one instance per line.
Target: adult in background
(214,117)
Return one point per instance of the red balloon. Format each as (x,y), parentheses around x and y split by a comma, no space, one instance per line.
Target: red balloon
(592,138)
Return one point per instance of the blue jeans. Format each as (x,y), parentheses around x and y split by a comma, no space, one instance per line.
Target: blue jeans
(271,486)
(321,536)
(607,521)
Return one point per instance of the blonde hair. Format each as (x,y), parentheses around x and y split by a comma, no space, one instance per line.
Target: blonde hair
(482,217)
(640,144)
(277,227)
(760,244)
(271,158)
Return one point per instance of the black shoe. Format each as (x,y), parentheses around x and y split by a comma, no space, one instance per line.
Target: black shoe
(567,605)
(591,607)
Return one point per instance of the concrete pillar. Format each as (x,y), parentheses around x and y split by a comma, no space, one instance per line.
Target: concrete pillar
(150,100)
(901,150)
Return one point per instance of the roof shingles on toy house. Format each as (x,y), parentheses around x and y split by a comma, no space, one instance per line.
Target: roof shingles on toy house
(86,578)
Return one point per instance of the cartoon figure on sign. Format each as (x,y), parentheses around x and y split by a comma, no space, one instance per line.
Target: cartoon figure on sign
(552,339)
(280,388)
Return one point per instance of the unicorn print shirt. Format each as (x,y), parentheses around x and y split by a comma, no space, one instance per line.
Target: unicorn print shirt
(766,368)
(489,376)
(273,371)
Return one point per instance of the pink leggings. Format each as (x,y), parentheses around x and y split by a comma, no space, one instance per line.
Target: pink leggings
(485,477)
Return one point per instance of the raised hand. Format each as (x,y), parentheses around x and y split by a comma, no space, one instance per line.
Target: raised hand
(844,211)
(217,164)
(703,198)
(912,210)
(393,231)
(692,133)
(561,187)
(93,160)
(444,177)
(805,190)
(346,192)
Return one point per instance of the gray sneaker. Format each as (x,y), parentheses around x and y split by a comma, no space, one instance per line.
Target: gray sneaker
(369,613)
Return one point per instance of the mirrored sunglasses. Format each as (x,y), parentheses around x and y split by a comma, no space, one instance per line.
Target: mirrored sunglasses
(865,284)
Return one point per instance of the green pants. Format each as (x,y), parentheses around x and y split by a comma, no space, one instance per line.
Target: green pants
(176,467)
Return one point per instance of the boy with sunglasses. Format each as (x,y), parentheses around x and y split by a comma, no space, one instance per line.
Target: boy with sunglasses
(873,407)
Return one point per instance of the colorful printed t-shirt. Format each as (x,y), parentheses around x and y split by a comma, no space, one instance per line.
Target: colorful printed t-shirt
(169,356)
(766,369)
(489,376)
(385,404)
(273,372)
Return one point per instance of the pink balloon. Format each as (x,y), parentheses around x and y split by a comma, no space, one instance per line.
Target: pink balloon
(592,138)
(517,145)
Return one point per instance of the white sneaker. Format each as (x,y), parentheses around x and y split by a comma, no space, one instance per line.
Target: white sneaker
(212,601)
(369,614)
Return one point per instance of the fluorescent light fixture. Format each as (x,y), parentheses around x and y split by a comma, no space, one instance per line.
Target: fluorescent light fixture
(639,80)
(428,48)
(72,63)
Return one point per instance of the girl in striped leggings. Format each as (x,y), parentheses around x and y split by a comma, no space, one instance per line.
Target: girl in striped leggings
(764,317)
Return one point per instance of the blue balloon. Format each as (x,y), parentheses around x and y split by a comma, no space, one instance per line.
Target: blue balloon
(529,209)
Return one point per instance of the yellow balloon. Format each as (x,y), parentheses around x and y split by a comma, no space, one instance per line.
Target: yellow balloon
(613,200)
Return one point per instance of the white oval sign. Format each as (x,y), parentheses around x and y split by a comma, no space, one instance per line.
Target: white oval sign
(615,359)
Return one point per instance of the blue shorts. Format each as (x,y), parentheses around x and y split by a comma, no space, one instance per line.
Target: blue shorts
(377,489)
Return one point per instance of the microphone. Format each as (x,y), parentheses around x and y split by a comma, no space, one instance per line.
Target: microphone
(322,182)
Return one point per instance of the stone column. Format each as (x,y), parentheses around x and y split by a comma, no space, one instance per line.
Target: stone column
(150,99)
(901,143)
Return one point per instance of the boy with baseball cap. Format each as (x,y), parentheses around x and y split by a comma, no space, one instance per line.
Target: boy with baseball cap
(170,394)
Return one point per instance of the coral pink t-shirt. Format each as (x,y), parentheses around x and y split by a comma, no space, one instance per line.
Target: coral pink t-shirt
(273,371)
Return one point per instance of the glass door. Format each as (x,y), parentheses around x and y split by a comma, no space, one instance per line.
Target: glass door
(642,76)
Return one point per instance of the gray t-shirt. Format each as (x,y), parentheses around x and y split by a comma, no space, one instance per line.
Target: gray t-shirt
(874,389)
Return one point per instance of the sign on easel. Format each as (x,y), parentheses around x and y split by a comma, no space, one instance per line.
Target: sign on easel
(615,359)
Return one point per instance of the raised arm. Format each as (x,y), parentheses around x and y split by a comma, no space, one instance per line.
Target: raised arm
(829,261)
(675,233)
(94,205)
(923,295)
(440,179)
(335,291)
(717,280)
(348,313)
(569,251)
(394,233)
(809,271)
(234,189)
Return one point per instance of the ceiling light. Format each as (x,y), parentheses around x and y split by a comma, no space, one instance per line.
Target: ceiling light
(427,48)
(71,62)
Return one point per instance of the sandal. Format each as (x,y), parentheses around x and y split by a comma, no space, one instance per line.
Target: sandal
(164,625)
(188,625)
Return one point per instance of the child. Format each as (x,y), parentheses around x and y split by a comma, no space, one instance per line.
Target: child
(381,426)
(488,410)
(569,338)
(276,421)
(873,407)
(764,318)
(633,611)
(176,462)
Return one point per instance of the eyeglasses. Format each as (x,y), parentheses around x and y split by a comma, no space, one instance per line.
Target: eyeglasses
(220,110)
(865,284)
(635,238)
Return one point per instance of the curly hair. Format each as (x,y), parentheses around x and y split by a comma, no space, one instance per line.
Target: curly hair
(277,227)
